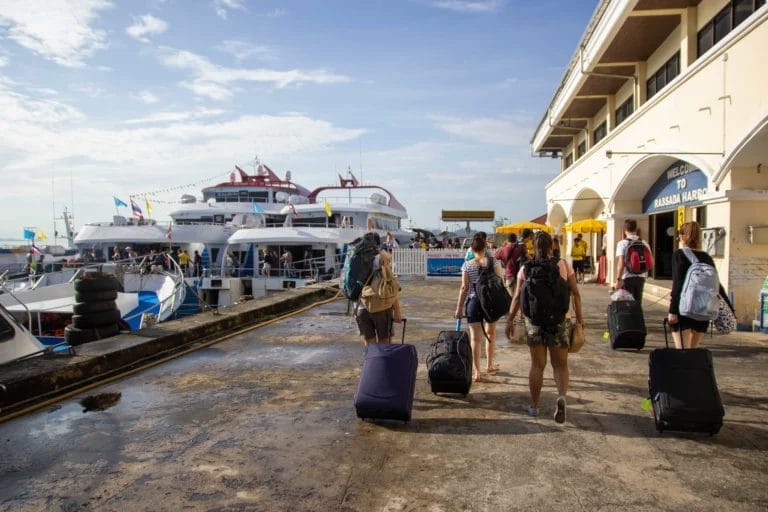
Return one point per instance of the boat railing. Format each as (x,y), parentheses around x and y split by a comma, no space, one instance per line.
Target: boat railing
(309,268)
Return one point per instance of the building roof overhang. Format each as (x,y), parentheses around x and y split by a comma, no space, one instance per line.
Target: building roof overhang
(617,38)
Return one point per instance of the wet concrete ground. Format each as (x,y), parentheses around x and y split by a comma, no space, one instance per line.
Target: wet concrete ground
(264,421)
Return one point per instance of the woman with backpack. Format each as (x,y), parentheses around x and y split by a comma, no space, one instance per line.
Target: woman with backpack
(687,332)
(468,305)
(545,286)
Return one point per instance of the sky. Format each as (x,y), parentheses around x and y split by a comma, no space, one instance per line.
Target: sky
(434,100)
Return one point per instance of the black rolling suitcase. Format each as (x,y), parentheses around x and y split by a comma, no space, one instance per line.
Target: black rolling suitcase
(683,390)
(449,363)
(626,325)
(387,381)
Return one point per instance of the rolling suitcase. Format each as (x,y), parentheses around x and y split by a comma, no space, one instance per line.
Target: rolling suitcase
(626,325)
(683,390)
(449,363)
(387,381)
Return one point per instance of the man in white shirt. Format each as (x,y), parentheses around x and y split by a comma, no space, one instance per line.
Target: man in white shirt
(633,283)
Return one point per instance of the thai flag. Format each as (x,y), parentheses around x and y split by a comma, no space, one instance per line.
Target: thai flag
(136,209)
(35,250)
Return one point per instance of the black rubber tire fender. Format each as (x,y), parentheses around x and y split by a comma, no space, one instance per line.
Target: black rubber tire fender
(85,308)
(94,320)
(95,296)
(75,336)
(101,283)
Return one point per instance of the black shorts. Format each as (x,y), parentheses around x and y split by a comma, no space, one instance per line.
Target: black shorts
(578,266)
(375,326)
(684,323)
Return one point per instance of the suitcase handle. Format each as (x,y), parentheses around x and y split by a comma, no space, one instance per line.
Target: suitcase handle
(458,324)
(402,339)
(666,324)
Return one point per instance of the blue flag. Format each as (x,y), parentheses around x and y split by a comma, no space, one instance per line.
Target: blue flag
(257,208)
(29,234)
(118,202)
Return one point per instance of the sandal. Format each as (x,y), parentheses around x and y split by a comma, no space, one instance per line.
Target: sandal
(477,378)
(492,368)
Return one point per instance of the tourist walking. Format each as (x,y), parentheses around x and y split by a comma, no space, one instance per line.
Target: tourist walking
(578,256)
(688,332)
(545,286)
(468,305)
(634,260)
(378,326)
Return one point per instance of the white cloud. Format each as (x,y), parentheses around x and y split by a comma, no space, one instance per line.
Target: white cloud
(146,97)
(168,117)
(57,30)
(146,25)
(3,61)
(505,132)
(242,50)
(469,5)
(223,7)
(89,89)
(215,82)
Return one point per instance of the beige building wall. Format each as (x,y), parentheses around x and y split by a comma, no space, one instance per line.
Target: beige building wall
(706,117)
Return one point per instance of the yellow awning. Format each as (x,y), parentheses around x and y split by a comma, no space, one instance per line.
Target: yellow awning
(518,227)
(587,226)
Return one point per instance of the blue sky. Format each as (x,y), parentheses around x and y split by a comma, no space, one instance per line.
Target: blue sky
(436,100)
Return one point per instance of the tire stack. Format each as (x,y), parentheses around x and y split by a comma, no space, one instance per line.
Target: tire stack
(95,312)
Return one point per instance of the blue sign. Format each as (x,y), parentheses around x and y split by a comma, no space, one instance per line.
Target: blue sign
(450,266)
(681,184)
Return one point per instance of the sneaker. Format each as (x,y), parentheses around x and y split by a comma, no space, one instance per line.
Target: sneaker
(531,411)
(560,411)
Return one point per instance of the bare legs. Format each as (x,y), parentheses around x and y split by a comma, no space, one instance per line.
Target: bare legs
(490,346)
(475,335)
(559,359)
(687,338)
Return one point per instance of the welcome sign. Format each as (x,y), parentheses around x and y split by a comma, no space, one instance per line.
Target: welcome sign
(681,184)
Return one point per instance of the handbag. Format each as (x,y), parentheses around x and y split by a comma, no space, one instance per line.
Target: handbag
(725,321)
(577,338)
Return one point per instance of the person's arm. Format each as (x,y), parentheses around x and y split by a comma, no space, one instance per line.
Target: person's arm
(462,295)
(515,306)
(397,312)
(678,274)
(575,295)
(619,265)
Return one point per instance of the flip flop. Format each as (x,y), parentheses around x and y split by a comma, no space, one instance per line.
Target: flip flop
(492,368)
(477,378)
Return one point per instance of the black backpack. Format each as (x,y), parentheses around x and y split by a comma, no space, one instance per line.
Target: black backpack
(546,296)
(491,293)
(358,266)
(520,255)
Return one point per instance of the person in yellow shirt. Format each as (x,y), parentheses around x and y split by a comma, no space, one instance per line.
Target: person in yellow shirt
(578,255)
(184,261)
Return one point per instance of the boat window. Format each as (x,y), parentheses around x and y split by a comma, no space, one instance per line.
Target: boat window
(6,329)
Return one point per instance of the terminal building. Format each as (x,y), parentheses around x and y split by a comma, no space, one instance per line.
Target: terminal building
(662,116)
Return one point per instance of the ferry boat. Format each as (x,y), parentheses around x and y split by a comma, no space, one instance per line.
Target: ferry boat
(311,242)
(203,226)
(16,342)
(45,303)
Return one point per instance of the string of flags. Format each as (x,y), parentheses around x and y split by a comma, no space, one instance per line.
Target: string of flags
(174,188)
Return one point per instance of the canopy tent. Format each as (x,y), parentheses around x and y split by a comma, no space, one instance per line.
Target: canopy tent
(518,227)
(587,226)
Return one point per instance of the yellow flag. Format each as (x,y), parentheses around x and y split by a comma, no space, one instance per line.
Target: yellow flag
(41,235)
(327,207)
(149,206)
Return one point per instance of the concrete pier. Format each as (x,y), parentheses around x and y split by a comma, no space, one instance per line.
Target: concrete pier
(264,421)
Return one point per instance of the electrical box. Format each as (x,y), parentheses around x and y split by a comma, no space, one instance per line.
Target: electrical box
(713,241)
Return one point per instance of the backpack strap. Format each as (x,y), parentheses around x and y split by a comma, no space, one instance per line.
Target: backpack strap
(690,255)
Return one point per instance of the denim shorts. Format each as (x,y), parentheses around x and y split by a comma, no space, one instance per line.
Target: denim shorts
(472,310)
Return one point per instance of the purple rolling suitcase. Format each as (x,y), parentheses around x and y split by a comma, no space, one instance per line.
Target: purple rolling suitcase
(387,381)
